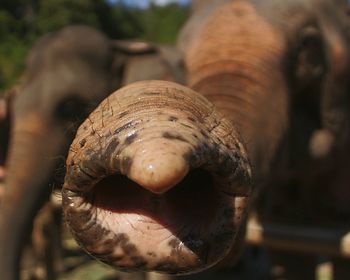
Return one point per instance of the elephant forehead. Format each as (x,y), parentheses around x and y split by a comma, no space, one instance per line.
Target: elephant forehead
(235,31)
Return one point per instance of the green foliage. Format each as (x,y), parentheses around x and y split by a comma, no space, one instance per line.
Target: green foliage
(129,24)
(54,14)
(13,49)
(8,24)
(161,24)
(24,21)
(13,52)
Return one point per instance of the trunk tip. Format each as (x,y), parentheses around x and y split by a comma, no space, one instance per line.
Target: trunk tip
(158,169)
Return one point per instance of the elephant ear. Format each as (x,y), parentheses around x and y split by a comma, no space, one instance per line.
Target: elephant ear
(137,61)
(321,74)
(122,52)
(306,68)
(132,47)
(335,103)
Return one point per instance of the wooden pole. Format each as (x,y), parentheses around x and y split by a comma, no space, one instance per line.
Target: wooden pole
(319,241)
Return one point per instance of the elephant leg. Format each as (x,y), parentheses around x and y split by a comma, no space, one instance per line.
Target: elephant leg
(46,240)
(292,266)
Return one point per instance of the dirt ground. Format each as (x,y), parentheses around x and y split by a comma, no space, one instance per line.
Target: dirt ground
(254,265)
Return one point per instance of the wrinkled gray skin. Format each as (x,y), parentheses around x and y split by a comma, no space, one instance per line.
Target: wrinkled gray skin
(124,63)
(67,74)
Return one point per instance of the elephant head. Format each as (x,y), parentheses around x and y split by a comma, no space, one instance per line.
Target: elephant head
(279,70)
(263,65)
(67,74)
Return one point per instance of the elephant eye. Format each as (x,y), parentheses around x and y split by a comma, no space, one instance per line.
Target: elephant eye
(71,109)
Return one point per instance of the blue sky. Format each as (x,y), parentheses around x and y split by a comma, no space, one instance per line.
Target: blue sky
(145,3)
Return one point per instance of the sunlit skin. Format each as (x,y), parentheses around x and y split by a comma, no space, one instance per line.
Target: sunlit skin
(163,192)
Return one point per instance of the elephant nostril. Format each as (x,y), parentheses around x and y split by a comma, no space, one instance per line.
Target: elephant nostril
(119,194)
(188,226)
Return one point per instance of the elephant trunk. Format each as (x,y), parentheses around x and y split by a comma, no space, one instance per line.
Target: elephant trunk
(150,160)
(26,188)
(236,62)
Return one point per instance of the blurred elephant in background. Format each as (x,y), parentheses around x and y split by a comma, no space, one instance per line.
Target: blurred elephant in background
(67,74)
(309,43)
(279,70)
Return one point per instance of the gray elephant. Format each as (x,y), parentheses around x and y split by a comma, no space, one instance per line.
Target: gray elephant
(68,73)
(314,60)
(274,72)
(311,49)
